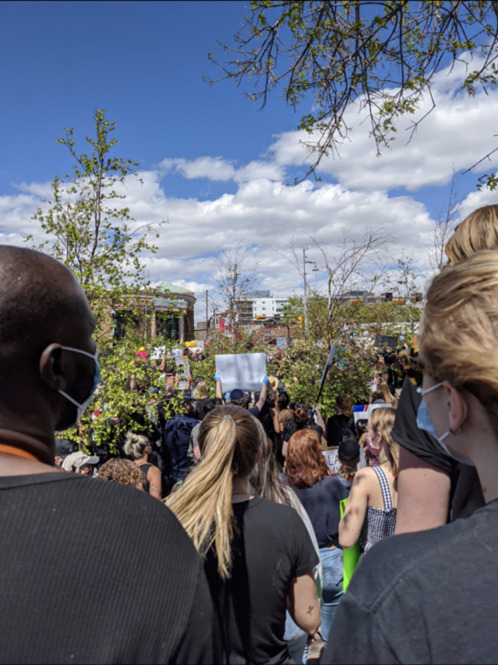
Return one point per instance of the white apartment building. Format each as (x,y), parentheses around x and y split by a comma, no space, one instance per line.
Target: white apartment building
(268,309)
(260,306)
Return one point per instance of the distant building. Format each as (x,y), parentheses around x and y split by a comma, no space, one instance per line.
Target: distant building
(168,312)
(259,307)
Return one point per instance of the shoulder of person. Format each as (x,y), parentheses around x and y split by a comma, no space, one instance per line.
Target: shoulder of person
(365,475)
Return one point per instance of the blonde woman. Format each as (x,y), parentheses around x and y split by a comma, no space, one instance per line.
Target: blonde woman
(432,596)
(370,513)
(433,487)
(259,556)
(476,232)
(137,447)
(382,392)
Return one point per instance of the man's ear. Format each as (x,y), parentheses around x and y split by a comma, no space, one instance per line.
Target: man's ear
(457,408)
(51,367)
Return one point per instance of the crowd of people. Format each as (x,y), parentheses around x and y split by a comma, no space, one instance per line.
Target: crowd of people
(237,554)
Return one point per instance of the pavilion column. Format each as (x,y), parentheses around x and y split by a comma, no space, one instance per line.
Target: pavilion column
(181,329)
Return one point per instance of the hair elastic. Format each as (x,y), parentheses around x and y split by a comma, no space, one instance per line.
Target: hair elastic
(229,417)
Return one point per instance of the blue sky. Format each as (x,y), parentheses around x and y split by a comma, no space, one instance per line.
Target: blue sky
(213,164)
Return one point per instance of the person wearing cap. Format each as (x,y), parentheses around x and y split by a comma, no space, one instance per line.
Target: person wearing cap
(237,397)
(63,447)
(348,455)
(70,544)
(80,462)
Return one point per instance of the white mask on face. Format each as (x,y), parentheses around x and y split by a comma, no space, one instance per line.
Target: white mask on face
(424,422)
(81,408)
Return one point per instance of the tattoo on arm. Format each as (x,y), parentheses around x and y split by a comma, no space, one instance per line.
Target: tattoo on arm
(310,609)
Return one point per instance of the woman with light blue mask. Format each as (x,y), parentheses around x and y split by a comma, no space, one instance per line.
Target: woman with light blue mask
(459,358)
(432,596)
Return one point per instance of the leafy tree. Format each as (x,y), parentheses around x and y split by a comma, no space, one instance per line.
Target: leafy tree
(91,231)
(131,396)
(381,55)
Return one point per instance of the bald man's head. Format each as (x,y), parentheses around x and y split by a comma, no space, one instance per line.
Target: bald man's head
(44,320)
(40,302)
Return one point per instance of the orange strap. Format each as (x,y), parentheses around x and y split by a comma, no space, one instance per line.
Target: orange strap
(12,450)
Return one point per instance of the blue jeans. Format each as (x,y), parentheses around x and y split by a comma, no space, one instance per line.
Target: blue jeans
(332,586)
(296,639)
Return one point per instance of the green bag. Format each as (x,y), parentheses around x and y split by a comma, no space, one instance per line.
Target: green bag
(350,555)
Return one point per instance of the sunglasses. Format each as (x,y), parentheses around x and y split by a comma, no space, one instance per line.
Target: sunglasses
(413,366)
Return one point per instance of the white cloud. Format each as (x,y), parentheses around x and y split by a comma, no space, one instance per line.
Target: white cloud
(269,216)
(457,133)
(218,169)
(259,170)
(213,168)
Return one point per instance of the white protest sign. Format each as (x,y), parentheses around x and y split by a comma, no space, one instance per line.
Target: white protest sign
(157,352)
(241,370)
(363,412)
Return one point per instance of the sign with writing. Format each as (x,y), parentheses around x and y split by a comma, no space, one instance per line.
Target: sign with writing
(157,352)
(281,343)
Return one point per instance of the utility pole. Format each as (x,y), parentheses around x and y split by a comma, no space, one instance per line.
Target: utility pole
(305,290)
(305,298)
(207,310)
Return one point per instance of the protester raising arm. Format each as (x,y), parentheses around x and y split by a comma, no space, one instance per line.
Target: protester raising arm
(218,393)
(262,395)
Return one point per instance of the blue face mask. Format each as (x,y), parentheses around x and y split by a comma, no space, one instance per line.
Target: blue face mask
(424,422)
(81,408)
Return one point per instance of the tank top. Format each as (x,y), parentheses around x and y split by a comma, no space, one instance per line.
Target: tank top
(144,468)
(379,523)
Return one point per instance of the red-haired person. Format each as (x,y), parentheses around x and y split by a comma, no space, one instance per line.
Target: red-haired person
(320,493)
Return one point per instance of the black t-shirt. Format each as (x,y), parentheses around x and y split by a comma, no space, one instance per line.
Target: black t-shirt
(270,548)
(321,502)
(335,428)
(466,494)
(425,597)
(96,572)
(200,410)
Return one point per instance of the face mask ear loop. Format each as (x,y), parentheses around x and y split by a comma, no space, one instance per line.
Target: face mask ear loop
(423,392)
(73,401)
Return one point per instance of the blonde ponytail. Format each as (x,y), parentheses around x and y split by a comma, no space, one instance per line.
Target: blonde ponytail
(228,442)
